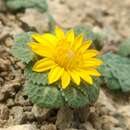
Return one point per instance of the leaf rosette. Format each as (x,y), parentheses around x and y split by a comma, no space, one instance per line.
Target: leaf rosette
(50,95)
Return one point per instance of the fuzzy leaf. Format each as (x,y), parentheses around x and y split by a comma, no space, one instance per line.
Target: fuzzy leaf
(44,96)
(52,23)
(116,72)
(34,77)
(93,92)
(124,48)
(80,96)
(88,34)
(113,83)
(74,97)
(22,4)
(20,49)
(98,40)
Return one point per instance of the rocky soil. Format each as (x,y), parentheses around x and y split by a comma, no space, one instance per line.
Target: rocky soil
(110,112)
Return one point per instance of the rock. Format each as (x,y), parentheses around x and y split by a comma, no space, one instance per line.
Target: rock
(48,127)
(72,14)
(105,101)
(10,30)
(20,127)
(86,126)
(21,65)
(124,111)
(115,128)
(70,129)
(2,96)
(10,102)
(4,64)
(4,31)
(109,119)
(108,122)
(127,122)
(64,118)
(20,98)
(15,29)
(18,115)
(40,112)
(4,112)
(94,118)
(82,113)
(2,5)
(29,116)
(9,88)
(36,19)
(9,42)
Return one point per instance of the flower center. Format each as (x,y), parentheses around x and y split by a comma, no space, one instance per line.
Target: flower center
(66,57)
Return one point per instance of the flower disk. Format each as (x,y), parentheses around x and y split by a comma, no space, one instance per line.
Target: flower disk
(66,56)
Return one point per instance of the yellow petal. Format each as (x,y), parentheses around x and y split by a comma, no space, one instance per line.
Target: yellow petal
(77,42)
(90,53)
(92,72)
(40,49)
(50,38)
(55,74)
(92,62)
(85,45)
(38,38)
(43,65)
(70,36)
(75,77)
(86,77)
(65,79)
(45,39)
(59,33)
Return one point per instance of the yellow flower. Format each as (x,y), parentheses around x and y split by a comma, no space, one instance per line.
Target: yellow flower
(66,56)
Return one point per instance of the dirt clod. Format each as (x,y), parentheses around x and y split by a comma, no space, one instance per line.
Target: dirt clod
(48,127)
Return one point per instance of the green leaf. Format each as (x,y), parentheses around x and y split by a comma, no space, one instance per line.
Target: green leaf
(75,98)
(22,4)
(44,96)
(79,96)
(93,92)
(52,23)
(86,31)
(34,77)
(113,83)
(124,48)
(98,40)
(123,74)
(116,72)
(21,50)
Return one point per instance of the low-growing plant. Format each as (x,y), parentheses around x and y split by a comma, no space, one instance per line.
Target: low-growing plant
(116,72)
(124,48)
(16,5)
(59,68)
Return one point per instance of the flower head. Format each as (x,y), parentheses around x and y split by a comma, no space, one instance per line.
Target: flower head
(66,57)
